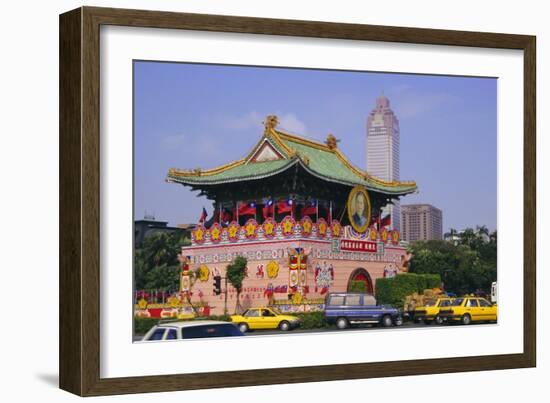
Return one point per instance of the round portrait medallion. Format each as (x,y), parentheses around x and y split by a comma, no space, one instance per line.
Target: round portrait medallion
(359,209)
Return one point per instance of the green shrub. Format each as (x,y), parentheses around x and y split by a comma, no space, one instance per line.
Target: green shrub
(392,291)
(142,325)
(312,320)
(358,286)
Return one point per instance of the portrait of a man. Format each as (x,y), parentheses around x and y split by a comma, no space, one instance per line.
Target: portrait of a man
(359,209)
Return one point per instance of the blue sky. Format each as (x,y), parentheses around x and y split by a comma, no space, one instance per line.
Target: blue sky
(195,115)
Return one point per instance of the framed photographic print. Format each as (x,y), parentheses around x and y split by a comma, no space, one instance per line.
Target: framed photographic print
(250,201)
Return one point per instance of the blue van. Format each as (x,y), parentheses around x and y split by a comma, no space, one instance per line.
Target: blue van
(350,308)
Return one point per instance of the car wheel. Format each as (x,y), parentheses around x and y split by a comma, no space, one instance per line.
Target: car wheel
(243,327)
(387,321)
(399,321)
(284,326)
(438,320)
(466,319)
(342,323)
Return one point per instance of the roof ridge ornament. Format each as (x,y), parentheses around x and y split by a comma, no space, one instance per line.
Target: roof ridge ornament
(271,122)
(332,142)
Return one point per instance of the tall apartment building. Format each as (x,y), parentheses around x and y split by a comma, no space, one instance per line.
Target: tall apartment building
(383,150)
(421,222)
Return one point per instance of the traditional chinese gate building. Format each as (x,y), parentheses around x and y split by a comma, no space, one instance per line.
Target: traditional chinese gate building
(284,207)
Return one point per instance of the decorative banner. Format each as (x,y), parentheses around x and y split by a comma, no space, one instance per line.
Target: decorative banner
(260,271)
(287,226)
(359,209)
(215,233)
(251,229)
(358,246)
(204,273)
(336,229)
(321,227)
(384,235)
(395,237)
(233,231)
(303,278)
(185,283)
(307,224)
(373,234)
(269,226)
(272,269)
(323,277)
(197,235)
(293,278)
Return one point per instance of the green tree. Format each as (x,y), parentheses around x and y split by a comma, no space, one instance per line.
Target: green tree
(465,266)
(156,262)
(236,272)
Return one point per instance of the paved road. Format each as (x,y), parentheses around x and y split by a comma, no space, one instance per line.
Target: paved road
(406,325)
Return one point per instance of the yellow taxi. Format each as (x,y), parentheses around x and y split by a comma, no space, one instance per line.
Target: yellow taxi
(429,312)
(469,309)
(264,318)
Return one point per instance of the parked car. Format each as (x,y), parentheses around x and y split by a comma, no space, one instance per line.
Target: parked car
(429,312)
(346,309)
(191,330)
(469,309)
(264,318)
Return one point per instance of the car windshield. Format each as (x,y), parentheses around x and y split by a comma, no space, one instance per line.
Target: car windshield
(221,330)
(429,302)
(276,311)
(457,302)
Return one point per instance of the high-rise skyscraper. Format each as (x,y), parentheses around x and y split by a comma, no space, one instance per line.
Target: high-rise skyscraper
(421,222)
(383,150)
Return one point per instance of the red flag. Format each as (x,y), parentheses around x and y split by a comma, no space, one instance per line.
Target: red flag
(203,216)
(268,209)
(284,206)
(385,221)
(309,208)
(247,209)
(227,216)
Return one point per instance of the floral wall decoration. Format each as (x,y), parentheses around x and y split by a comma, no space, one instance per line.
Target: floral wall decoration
(321,228)
(272,269)
(251,229)
(203,273)
(269,227)
(233,231)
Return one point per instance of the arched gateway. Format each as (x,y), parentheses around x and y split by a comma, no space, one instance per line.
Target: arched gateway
(358,276)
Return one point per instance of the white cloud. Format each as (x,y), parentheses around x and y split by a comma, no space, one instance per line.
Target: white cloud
(246,121)
(290,122)
(408,103)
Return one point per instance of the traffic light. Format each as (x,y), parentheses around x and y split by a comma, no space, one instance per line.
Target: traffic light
(217,285)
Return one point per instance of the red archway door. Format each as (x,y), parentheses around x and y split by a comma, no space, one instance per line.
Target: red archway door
(361,275)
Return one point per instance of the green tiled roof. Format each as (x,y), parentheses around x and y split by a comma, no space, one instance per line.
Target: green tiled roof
(318,159)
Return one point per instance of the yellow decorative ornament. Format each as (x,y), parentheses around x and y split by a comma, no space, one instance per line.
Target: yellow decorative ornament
(268,228)
(173,302)
(322,228)
(336,230)
(307,226)
(199,234)
(204,273)
(287,227)
(233,231)
(297,298)
(142,303)
(215,234)
(272,269)
(250,230)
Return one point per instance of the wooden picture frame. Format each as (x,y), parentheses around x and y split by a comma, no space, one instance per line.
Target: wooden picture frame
(80,198)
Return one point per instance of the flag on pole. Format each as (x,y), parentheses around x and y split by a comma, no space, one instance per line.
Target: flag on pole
(284,206)
(309,208)
(386,221)
(268,209)
(203,216)
(247,209)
